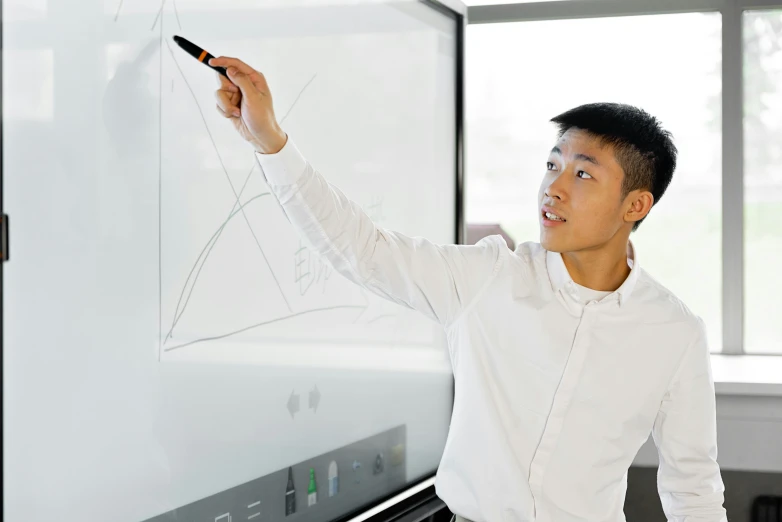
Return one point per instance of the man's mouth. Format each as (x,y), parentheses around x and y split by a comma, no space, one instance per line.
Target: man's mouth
(552,216)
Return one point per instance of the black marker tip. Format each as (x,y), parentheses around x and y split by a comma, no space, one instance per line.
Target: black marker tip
(177,38)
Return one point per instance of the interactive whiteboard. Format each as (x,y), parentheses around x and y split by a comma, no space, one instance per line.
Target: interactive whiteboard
(172,349)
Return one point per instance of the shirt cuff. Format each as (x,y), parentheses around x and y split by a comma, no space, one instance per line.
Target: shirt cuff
(285,167)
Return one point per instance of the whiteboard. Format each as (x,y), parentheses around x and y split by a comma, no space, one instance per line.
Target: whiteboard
(161,314)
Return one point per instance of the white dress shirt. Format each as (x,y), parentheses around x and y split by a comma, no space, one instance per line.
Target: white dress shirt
(587,294)
(555,393)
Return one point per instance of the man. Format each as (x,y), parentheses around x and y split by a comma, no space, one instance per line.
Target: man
(566,354)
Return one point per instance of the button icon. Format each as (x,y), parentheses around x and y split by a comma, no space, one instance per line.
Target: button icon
(290,495)
(379,465)
(333,479)
(312,490)
(397,455)
(255,505)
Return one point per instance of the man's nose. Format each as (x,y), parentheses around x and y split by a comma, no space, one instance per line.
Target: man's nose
(557,189)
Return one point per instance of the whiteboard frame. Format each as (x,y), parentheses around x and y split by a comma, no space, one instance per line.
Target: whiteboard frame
(454,9)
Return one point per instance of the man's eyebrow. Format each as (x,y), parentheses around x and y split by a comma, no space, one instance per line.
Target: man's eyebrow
(590,159)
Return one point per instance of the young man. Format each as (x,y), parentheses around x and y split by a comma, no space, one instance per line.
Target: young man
(566,354)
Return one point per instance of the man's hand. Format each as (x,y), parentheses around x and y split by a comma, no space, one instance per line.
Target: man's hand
(247,102)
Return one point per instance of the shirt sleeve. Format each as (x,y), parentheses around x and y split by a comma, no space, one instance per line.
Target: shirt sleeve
(438,280)
(685,433)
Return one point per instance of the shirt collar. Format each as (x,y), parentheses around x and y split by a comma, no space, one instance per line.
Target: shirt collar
(559,275)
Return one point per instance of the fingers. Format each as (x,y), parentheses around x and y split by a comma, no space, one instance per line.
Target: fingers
(242,81)
(222,112)
(227,104)
(226,84)
(225,114)
(259,80)
(226,62)
(255,77)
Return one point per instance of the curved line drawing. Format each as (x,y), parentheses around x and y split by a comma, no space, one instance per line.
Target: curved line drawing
(227,177)
(178,313)
(237,208)
(208,249)
(296,314)
(220,230)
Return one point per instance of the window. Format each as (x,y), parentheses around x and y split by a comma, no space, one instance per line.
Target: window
(762,32)
(519,75)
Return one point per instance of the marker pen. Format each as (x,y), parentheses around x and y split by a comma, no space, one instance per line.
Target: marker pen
(290,495)
(199,54)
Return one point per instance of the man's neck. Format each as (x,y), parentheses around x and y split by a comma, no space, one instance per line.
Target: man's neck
(604,268)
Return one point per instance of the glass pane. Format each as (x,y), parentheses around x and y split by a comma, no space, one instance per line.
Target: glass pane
(520,75)
(170,342)
(762,180)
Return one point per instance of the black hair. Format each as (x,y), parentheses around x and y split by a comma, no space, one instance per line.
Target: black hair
(643,149)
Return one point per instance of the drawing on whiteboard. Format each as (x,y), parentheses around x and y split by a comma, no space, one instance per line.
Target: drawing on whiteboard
(222,291)
(225,170)
(176,13)
(309,269)
(191,280)
(296,100)
(157,17)
(159,13)
(119,7)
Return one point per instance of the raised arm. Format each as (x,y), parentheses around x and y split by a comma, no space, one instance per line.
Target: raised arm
(438,280)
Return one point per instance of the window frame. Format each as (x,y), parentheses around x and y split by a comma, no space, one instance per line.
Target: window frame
(732,115)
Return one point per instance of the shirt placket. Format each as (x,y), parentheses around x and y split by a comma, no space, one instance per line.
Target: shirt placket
(562,399)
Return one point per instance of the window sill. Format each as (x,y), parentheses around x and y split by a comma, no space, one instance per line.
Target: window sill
(747,374)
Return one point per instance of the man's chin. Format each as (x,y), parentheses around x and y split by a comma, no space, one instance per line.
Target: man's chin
(552,244)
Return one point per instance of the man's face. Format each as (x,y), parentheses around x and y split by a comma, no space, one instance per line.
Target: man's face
(583,186)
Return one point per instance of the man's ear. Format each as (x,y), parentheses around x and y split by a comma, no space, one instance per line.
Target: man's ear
(638,204)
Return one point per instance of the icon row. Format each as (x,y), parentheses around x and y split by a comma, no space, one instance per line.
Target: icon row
(378,467)
(333,483)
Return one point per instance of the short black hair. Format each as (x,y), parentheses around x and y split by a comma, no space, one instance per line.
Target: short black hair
(643,149)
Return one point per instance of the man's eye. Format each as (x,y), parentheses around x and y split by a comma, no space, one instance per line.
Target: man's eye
(585,175)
